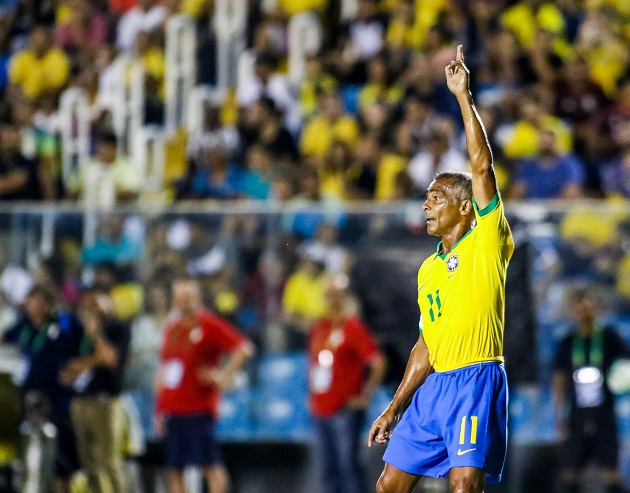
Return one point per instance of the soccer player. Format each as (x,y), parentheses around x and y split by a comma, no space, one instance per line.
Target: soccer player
(455,387)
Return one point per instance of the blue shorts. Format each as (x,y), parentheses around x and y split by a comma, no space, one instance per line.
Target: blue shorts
(190,441)
(456,419)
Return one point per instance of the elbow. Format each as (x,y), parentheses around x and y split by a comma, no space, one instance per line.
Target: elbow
(248,350)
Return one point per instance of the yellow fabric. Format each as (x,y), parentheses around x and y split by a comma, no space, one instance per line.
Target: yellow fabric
(126,176)
(523,21)
(36,75)
(155,66)
(607,63)
(391,164)
(400,35)
(462,296)
(427,13)
(594,228)
(333,185)
(192,8)
(292,7)
(63,13)
(308,92)
(128,299)
(523,142)
(304,295)
(372,93)
(320,133)
(226,302)
(623,277)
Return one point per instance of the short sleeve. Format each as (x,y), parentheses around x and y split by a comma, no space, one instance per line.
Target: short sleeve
(362,341)
(222,335)
(492,227)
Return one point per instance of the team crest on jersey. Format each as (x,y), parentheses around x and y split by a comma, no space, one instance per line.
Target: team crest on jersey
(452,263)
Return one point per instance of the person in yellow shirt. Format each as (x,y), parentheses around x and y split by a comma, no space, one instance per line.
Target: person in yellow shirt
(152,58)
(523,137)
(315,82)
(378,87)
(303,300)
(526,16)
(329,125)
(40,67)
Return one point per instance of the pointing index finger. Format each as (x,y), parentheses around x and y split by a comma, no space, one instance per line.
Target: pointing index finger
(460,53)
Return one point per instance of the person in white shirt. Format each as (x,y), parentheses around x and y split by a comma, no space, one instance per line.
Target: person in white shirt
(146,16)
(436,157)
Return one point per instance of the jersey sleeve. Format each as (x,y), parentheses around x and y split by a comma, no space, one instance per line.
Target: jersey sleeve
(493,229)
(222,335)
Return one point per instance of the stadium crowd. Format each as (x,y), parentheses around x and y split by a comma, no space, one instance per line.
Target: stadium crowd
(371,118)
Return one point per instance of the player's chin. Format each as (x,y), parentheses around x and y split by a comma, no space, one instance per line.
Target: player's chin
(432,227)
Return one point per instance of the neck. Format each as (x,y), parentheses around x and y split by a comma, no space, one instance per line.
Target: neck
(454,235)
(587,328)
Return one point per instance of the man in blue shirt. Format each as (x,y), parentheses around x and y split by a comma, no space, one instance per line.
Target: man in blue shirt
(47,341)
(550,175)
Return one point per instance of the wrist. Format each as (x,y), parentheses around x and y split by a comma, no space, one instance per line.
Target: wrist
(464,97)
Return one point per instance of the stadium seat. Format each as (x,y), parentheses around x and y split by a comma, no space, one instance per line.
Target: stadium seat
(235,415)
(282,418)
(284,375)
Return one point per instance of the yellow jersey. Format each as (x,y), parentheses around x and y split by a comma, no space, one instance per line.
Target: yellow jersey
(461,294)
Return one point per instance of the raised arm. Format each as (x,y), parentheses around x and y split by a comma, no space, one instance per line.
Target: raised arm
(483,182)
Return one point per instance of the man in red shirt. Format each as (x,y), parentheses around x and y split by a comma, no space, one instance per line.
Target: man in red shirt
(189,383)
(340,351)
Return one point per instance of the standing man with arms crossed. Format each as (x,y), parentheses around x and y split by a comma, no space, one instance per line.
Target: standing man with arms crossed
(455,385)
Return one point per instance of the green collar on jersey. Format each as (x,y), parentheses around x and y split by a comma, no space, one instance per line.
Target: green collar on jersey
(444,255)
(489,208)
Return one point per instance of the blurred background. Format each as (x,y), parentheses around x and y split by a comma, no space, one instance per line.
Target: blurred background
(263,146)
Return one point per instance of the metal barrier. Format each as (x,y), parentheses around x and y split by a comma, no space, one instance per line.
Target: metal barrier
(229,24)
(128,104)
(181,69)
(74,112)
(305,38)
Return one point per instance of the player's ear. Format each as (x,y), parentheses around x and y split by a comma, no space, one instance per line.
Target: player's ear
(465,207)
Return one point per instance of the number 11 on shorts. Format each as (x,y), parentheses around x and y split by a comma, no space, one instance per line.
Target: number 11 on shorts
(473,430)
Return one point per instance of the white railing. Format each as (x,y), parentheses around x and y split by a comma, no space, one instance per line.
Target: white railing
(128,108)
(74,120)
(229,24)
(305,38)
(149,158)
(200,98)
(181,70)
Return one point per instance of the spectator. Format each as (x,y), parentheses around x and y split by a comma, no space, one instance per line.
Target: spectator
(256,181)
(190,380)
(439,156)
(379,86)
(521,139)
(83,32)
(96,375)
(19,176)
(118,242)
(268,82)
(328,125)
(38,144)
(108,178)
(214,178)
(316,82)
(147,333)
(40,67)
(47,341)
(212,134)
(147,16)
(362,37)
(341,350)
(616,175)
(550,176)
(303,298)
(584,403)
